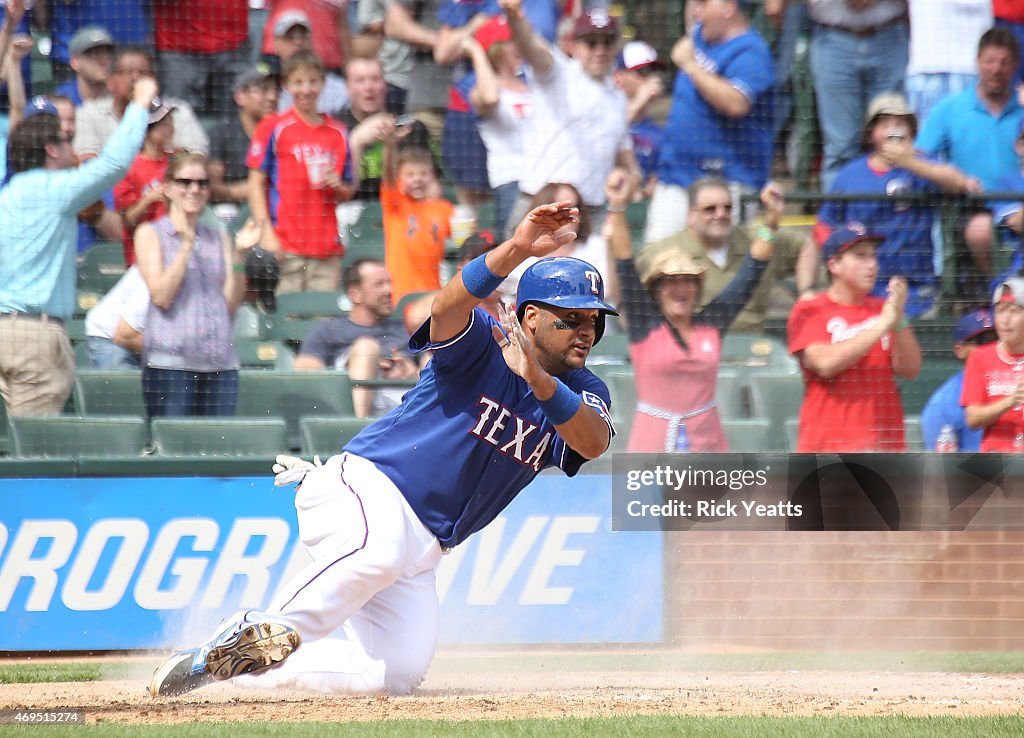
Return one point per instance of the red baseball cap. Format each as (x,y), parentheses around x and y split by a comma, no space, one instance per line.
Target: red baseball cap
(595,22)
(493,31)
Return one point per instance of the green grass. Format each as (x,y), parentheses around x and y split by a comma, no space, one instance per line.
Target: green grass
(706,727)
(988,662)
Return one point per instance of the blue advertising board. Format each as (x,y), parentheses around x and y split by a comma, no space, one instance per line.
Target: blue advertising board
(152,562)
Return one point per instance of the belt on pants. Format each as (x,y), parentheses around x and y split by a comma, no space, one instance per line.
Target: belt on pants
(674,419)
(866,31)
(41,317)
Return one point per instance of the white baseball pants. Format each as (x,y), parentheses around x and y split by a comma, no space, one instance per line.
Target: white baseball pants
(366,607)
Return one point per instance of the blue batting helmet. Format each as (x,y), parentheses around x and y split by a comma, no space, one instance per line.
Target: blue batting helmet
(564,282)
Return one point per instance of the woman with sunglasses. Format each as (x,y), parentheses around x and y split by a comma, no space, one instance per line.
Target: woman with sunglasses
(674,346)
(196,281)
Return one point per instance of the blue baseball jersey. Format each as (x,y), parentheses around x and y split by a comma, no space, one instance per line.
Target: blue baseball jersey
(698,140)
(470,435)
(944,408)
(907,250)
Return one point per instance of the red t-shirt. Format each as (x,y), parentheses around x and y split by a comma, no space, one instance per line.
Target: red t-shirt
(201,27)
(1008,10)
(988,378)
(144,175)
(286,149)
(323,17)
(860,409)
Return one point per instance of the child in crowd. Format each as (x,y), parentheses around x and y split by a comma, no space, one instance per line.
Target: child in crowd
(416,223)
(299,169)
(140,197)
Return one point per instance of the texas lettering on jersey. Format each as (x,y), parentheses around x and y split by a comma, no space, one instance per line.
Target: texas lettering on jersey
(492,421)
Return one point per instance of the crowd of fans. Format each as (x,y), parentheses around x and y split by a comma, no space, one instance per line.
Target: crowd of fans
(432,109)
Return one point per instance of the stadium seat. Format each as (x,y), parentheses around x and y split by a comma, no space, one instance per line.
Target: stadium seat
(291,331)
(748,435)
(731,394)
(250,323)
(62,435)
(792,432)
(311,304)
(912,433)
(622,388)
(82,358)
(219,436)
(101,267)
(613,349)
(365,238)
(109,392)
(326,436)
(755,350)
(776,397)
(916,392)
(291,395)
(259,354)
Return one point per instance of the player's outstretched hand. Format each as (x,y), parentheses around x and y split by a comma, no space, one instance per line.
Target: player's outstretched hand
(515,345)
(292,469)
(546,228)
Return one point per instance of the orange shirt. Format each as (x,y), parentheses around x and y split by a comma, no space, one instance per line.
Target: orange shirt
(414,236)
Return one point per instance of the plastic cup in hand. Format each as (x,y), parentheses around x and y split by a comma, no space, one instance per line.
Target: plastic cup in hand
(317,166)
(463,224)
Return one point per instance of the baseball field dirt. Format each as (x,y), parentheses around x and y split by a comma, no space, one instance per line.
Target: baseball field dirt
(537,691)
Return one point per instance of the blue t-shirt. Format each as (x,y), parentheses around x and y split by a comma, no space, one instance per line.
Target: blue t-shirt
(126,20)
(470,435)
(647,137)
(962,131)
(542,14)
(907,250)
(701,142)
(944,408)
(1001,210)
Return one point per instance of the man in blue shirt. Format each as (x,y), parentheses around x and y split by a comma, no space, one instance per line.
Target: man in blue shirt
(38,210)
(497,403)
(943,407)
(720,124)
(975,131)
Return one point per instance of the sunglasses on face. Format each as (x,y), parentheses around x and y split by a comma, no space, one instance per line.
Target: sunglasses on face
(185,182)
(595,41)
(710,209)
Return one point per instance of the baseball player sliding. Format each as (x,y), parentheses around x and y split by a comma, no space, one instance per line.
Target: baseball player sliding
(498,402)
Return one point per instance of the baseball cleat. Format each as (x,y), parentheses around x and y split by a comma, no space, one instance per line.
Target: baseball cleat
(241,647)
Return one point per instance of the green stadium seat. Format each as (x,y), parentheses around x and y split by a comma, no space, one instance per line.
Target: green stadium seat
(311,304)
(259,354)
(934,371)
(731,394)
(291,395)
(748,435)
(101,267)
(792,433)
(912,433)
(291,331)
(325,437)
(219,436)
(109,392)
(757,351)
(82,358)
(613,349)
(62,435)
(250,323)
(76,329)
(365,238)
(776,397)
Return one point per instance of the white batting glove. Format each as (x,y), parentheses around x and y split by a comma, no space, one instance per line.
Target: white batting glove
(292,469)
